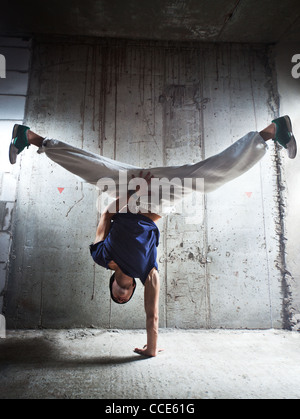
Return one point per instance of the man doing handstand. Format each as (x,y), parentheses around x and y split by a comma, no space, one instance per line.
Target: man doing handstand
(126,241)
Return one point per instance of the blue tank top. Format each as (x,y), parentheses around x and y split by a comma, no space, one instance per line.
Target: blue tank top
(131,243)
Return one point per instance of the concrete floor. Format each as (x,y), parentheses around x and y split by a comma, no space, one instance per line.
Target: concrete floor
(196,364)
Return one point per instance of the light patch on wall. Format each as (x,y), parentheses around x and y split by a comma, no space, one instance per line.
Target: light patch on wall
(14,71)
(287,57)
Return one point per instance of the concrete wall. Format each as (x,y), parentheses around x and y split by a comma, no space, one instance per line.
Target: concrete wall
(149,104)
(13,90)
(289,90)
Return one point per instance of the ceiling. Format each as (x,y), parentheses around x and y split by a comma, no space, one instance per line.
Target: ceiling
(262,21)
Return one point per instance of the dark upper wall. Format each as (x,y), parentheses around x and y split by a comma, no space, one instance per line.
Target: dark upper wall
(262,21)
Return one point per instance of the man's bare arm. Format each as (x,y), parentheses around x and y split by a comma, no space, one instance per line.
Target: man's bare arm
(152,290)
(114,208)
(105,221)
(106,218)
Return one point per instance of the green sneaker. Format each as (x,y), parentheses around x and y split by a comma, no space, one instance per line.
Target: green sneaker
(284,135)
(18,143)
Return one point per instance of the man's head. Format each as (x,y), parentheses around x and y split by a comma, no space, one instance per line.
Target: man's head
(122,294)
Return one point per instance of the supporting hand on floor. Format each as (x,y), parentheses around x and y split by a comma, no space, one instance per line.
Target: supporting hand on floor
(148,353)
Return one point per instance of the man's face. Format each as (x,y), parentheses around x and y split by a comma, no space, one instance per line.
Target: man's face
(120,294)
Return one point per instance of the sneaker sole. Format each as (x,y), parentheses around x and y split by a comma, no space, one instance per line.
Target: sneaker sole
(13,151)
(292,144)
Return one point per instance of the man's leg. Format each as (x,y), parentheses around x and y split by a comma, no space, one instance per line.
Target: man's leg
(230,164)
(221,168)
(89,166)
(35,139)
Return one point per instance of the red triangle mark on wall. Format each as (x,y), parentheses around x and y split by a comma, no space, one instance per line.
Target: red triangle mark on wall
(60,190)
(249,194)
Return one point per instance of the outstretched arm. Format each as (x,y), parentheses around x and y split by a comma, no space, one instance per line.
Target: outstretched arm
(152,290)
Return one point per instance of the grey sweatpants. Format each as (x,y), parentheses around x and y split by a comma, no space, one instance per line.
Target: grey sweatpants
(214,171)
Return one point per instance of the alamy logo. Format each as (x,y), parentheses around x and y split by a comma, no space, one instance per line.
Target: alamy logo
(296,68)
(2,67)
(160,196)
(2,327)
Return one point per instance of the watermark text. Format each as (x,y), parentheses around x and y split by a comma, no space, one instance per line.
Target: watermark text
(160,196)
(2,327)
(2,67)
(296,68)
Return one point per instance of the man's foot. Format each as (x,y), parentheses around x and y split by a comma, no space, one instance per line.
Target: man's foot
(18,143)
(284,135)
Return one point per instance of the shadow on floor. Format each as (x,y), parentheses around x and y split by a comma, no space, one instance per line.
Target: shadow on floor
(38,351)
